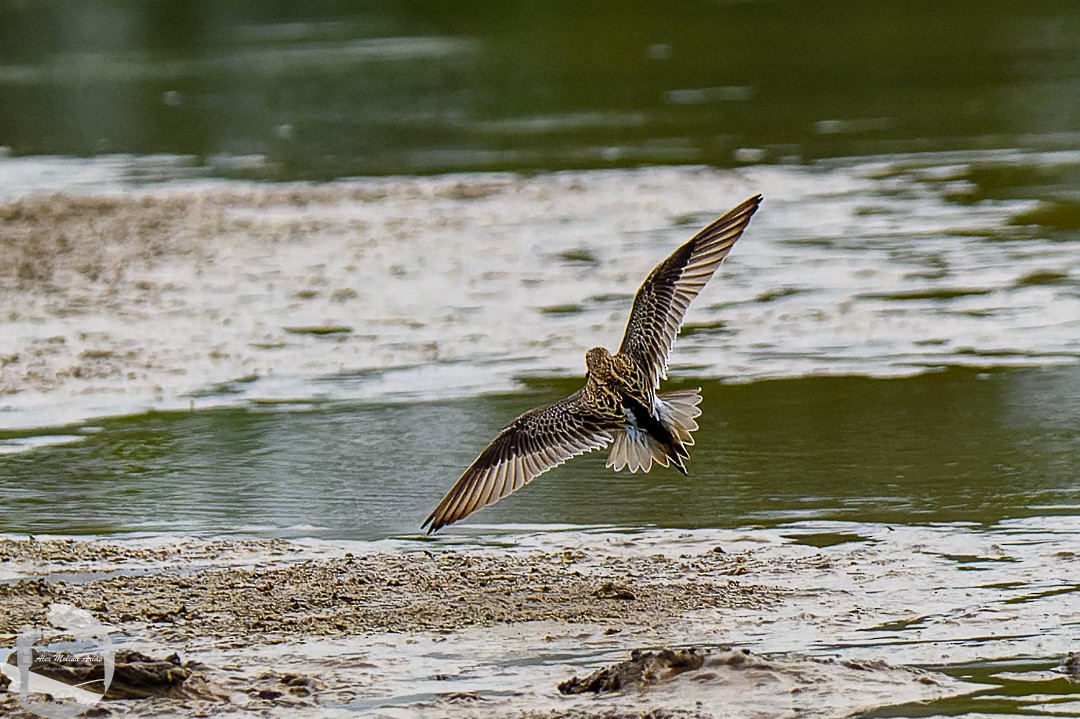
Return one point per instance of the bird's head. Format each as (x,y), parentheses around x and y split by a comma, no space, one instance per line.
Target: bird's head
(598,362)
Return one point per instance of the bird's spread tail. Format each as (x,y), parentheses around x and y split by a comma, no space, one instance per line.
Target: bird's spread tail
(637,449)
(677,411)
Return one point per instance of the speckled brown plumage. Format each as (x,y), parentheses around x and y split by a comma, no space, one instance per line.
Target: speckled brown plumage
(619,403)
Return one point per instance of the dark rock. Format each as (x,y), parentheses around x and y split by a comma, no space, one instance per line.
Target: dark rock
(610,590)
(641,670)
(1070,665)
(135,675)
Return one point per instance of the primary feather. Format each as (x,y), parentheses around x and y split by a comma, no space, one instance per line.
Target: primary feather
(661,302)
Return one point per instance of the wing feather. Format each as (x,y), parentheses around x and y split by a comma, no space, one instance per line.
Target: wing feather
(662,300)
(532,444)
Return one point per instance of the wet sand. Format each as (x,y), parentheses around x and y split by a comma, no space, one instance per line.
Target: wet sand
(278,628)
(420,591)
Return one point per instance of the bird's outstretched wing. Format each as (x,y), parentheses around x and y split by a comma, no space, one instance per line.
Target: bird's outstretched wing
(661,302)
(532,444)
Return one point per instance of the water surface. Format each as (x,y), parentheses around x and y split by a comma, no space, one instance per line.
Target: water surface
(954,446)
(331,90)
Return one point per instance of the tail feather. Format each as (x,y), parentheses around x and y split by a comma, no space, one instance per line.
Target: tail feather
(635,449)
(677,411)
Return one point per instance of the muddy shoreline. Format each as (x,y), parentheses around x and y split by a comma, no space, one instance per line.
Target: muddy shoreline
(187,599)
(234,618)
(204,293)
(172,601)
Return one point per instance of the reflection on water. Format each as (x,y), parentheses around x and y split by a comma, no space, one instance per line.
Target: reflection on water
(954,446)
(1018,687)
(286,91)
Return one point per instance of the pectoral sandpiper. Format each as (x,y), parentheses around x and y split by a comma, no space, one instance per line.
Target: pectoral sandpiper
(619,404)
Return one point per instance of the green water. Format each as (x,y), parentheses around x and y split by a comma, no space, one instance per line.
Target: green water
(329,89)
(954,446)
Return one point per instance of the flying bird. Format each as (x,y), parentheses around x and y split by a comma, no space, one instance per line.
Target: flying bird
(619,406)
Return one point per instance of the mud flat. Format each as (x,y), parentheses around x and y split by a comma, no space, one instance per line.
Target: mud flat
(195,294)
(568,625)
(202,294)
